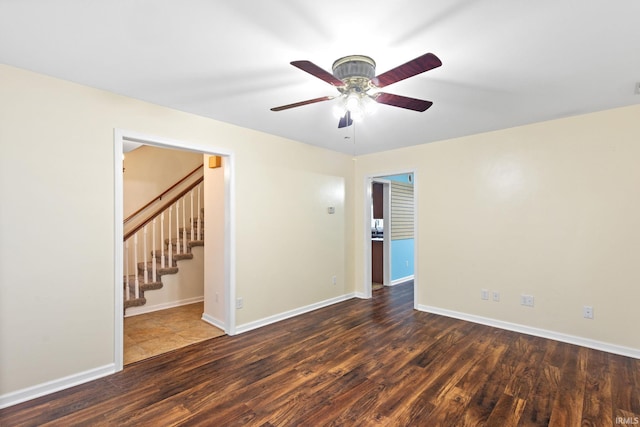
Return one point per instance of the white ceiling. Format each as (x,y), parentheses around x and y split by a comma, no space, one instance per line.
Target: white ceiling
(505,62)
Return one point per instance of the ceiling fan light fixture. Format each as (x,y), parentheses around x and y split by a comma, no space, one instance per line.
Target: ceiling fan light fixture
(357,115)
(353,102)
(370,106)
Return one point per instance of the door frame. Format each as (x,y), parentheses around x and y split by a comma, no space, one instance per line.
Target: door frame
(120,136)
(368,200)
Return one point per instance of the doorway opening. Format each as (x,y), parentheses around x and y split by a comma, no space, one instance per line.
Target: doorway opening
(380,240)
(219,288)
(390,231)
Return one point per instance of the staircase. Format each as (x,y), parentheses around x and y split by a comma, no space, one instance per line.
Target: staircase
(171,265)
(177,214)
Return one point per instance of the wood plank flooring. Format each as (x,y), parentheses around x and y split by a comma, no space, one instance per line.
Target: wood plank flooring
(361,363)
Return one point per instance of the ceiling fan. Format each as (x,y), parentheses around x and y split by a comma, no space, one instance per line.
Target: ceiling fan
(354,76)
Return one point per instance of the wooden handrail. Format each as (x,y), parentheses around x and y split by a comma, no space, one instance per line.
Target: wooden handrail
(159,197)
(162,208)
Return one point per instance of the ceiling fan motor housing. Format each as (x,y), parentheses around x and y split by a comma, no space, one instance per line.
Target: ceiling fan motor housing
(356,71)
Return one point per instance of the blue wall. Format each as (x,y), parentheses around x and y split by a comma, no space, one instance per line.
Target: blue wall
(400,178)
(401,258)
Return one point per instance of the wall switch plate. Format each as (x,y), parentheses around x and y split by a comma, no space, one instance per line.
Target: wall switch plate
(496,296)
(526,300)
(484,294)
(239,303)
(587,312)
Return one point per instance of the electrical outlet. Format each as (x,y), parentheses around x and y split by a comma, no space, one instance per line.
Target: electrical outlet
(587,312)
(496,296)
(484,294)
(526,300)
(406,263)
(239,303)
(334,280)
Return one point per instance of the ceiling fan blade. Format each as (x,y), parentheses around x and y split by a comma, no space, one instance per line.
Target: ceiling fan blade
(402,101)
(318,72)
(345,120)
(301,103)
(416,66)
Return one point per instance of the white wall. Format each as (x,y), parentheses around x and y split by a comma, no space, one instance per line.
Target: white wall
(57,185)
(551,209)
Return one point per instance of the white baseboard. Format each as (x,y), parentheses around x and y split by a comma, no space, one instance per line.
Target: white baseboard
(401,280)
(49,387)
(135,311)
(288,314)
(543,333)
(213,321)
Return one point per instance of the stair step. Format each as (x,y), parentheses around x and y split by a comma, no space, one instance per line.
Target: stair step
(149,286)
(159,270)
(174,255)
(134,302)
(188,232)
(174,241)
(166,270)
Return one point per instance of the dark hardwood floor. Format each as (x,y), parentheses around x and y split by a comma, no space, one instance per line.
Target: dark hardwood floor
(360,362)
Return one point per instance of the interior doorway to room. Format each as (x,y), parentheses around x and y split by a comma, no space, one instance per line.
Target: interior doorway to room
(380,240)
(186,320)
(390,249)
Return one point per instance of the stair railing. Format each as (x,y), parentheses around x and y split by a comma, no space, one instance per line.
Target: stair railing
(138,274)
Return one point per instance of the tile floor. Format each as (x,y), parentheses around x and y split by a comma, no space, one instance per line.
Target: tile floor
(150,334)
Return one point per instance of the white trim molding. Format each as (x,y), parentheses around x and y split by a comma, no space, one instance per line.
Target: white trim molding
(49,387)
(135,311)
(213,321)
(528,330)
(291,313)
(401,280)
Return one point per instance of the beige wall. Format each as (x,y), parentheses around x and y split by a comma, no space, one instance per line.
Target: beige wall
(551,209)
(57,221)
(151,170)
